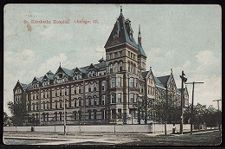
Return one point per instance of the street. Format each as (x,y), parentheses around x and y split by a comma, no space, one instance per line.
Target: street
(209,138)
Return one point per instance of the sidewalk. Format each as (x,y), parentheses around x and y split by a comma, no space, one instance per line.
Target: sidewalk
(57,139)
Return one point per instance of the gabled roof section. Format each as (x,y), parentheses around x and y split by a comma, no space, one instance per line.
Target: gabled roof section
(49,75)
(101,65)
(144,74)
(164,80)
(65,70)
(91,66)
(121,33)
(68,71)
(76,70)
(158,83)
(38,79)
(22,85)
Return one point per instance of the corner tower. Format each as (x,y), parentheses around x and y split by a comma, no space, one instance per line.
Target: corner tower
(125,59)
(123,54)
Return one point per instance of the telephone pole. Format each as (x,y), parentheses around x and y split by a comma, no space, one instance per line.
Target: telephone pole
(218,106)
(192,102)
(183,80)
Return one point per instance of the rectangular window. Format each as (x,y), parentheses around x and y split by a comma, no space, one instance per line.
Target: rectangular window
(131,98)
(113,113)
(103,114)
(75,91)
(103,99)
(89,114)
(113,82)
(118,82)
(113,98)
(131,82)
(119,98)
(119,113)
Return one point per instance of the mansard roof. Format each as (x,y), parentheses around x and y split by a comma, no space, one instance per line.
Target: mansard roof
(121,33)
(141,51)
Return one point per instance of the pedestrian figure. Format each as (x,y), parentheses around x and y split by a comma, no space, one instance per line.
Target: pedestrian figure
(174,129)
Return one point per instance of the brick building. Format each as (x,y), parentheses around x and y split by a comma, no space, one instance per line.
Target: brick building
(115,90)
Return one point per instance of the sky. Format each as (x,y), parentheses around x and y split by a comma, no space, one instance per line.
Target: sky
(181,37)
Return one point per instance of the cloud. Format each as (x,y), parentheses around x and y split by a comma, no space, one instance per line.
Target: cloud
(52,31)
(53,64)
(206,57)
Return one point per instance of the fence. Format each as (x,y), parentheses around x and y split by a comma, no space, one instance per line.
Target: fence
(153,128)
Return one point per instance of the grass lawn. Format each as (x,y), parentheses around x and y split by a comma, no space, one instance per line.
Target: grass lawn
(202,139)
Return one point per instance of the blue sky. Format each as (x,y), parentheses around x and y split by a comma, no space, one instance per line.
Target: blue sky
(182,37)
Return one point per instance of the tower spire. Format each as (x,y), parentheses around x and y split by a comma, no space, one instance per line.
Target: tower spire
(139,35)
(121,10)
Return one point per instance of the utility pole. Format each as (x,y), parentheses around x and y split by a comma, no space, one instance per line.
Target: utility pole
(192,102)
(218,106)
(183,80)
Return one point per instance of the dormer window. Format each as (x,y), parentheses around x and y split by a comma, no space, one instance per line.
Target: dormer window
(60,76)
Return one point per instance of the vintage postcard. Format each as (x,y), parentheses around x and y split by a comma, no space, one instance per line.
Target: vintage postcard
(112,74)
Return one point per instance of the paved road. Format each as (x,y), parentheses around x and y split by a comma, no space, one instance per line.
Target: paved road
(31,138)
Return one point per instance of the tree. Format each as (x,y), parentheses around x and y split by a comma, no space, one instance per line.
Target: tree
(18,111)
